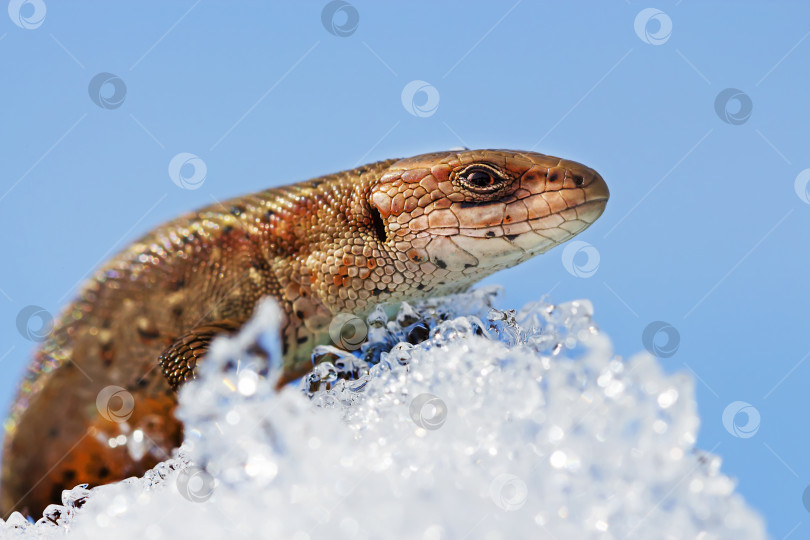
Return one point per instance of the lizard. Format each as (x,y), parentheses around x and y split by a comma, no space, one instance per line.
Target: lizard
(385,232)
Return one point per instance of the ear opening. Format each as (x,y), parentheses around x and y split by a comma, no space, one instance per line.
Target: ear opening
(378,223)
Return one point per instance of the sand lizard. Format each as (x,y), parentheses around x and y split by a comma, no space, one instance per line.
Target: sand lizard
(385,232)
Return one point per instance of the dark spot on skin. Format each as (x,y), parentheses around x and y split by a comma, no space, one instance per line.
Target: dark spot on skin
(53,432)
(468,265)
(302,340)
(177,310)
(142,383)
(440,263)
(316,183)
(68,475)
(227,229)
(269,214)
(467,204)
(490,234)
(420,286)
(103,472)
(376,292)
(553,176)
(237,210)
(510,236)
(299,314)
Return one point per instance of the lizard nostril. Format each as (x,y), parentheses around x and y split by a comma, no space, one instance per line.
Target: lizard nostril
(578,180)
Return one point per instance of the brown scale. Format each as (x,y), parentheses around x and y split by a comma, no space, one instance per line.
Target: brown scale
(385,232)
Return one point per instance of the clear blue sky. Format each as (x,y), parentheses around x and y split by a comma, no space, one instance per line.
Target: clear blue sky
(704,230)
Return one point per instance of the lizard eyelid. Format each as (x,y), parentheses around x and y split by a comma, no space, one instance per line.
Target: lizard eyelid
(482,178)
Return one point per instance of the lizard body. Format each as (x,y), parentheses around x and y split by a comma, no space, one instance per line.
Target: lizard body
(385,232)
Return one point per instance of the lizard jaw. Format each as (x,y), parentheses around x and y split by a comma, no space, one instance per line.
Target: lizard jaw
(478,252)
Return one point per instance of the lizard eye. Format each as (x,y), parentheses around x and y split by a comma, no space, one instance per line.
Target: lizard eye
(481,179)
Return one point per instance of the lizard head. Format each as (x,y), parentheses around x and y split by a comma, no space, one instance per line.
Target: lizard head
(449,219)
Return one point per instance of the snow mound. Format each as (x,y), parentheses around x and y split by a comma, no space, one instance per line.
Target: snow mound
(454,420)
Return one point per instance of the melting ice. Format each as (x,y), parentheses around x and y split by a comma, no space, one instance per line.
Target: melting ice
(452,420)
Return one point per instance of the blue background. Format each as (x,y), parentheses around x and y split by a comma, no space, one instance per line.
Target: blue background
(704,229)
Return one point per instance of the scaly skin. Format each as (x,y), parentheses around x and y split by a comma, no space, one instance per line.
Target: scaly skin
(386,232)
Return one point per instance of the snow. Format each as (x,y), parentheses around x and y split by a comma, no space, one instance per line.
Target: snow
(499,425)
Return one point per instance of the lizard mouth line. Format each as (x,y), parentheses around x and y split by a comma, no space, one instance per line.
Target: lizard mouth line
(586,213)
(601,201)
